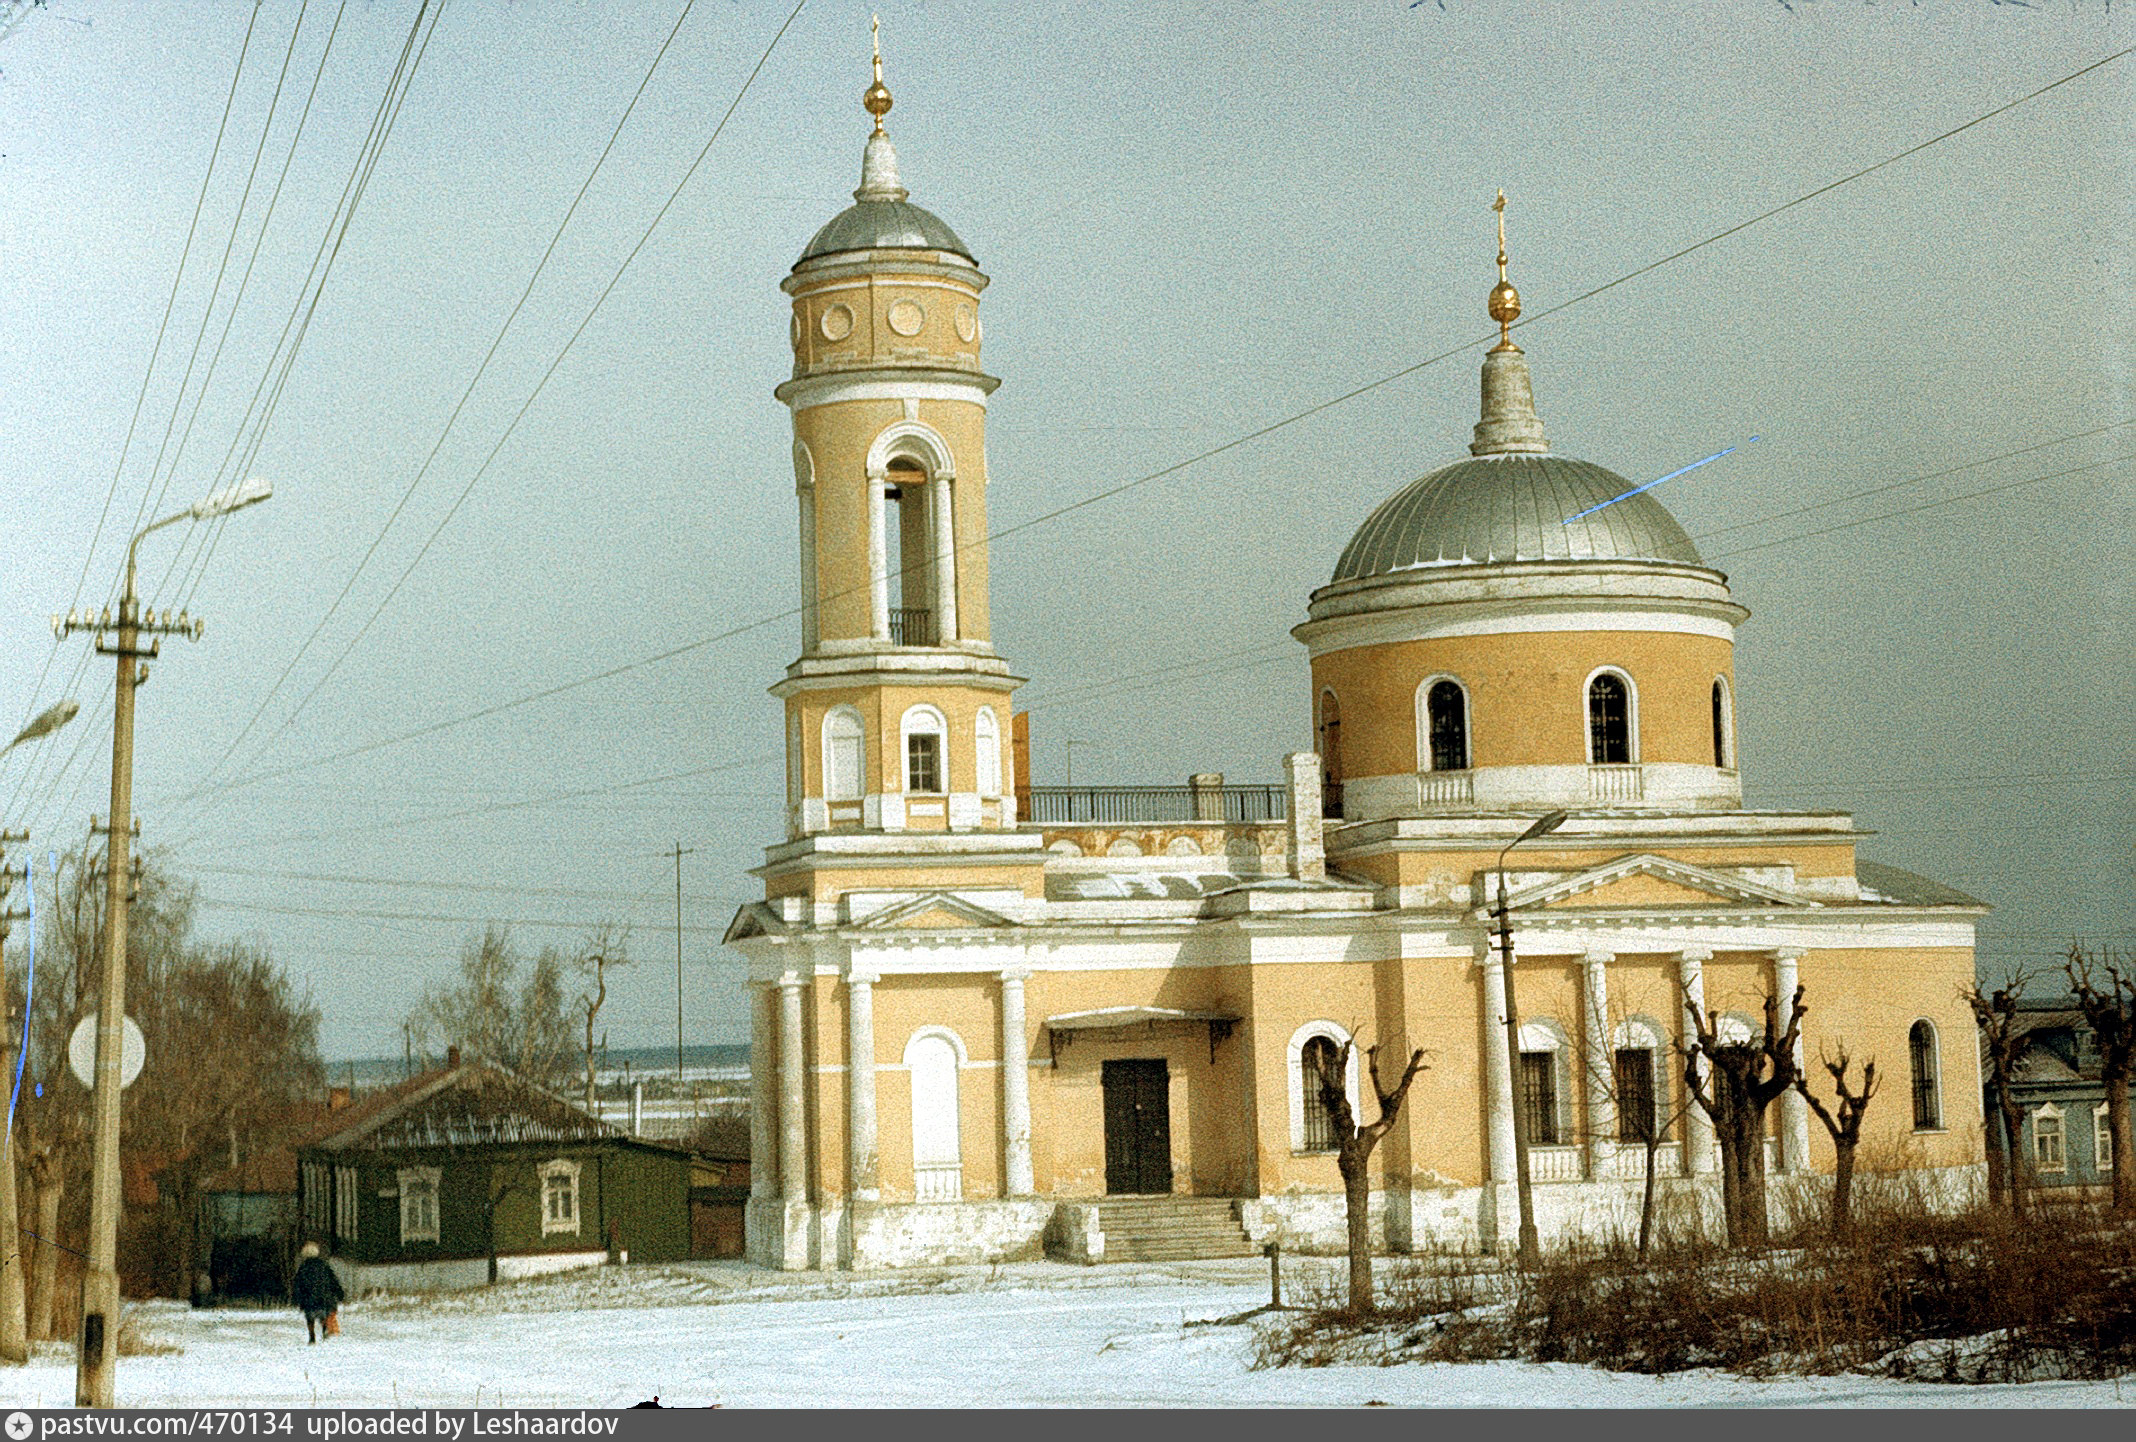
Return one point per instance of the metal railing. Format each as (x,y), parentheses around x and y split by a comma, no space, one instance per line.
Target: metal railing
(1128,805)
(911,626)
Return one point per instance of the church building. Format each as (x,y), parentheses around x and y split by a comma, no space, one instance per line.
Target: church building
(990,1019)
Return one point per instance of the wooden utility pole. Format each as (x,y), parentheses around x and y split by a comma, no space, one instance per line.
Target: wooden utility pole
(678,853)
(14,1330)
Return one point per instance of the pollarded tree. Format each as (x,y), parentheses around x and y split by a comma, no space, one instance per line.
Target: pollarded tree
(1353,1148)
(1846,1130)
(1747,1076)
(2002,1042)
(2105,989)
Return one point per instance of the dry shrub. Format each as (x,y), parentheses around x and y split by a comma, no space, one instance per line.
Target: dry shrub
(135,1340)
(1971,1298)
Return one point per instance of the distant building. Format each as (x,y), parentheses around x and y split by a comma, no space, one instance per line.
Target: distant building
(2063,1142)
(468,1174)
(990,1016)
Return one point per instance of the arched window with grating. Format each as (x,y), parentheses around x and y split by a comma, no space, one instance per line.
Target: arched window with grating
(1927,1089)
(1609,720)
(844,755)
(1446,726)
(1314,1060)
(1723,725)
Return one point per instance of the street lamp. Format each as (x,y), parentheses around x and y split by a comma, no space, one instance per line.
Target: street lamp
(93,1377)
(1530,1245)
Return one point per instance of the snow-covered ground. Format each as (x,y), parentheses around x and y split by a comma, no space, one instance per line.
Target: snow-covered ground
(1036,1334)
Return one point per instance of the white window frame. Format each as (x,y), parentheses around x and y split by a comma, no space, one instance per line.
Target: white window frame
(2049,1112)
(986,740)
(1728,725)
(566,1172)
(1335,1033)
(1631,715)
(2102,1141)
(938,1176)
(833,736)
(416,1185)
(923,720)
(345,1203)
(1423,710)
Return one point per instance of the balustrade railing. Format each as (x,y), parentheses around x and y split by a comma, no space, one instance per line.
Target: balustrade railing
(911,626)
(1555,1164)
(1447,788)
(1131,805)
(938,1182)
(1616,783)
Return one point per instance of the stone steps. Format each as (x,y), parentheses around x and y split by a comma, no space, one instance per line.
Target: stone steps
(1172,1229)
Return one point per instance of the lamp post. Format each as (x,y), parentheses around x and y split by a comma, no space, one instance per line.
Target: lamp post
(93,1377)
(1530,1245)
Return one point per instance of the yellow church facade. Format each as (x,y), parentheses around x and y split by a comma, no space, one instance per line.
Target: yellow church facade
(991,1019)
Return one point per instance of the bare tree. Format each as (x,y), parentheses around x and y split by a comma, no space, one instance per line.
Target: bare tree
(2002,1043)
(1747,1077)
(1846,1130)
(502,1009)
(608,946)
(1353,1149)
(2105,989)
(1645,1116)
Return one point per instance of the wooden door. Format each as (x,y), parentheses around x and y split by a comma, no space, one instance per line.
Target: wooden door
(1138,1126)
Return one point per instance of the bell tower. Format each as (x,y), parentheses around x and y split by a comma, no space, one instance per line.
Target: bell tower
(897,709)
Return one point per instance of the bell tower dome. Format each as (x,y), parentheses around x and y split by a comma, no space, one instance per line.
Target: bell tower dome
(897,708)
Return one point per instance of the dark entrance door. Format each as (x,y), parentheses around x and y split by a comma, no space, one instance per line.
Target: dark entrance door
(1138,1126)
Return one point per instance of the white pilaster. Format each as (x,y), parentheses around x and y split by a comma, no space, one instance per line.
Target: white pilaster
(862,1169)
(878,558)
(763,1098)
(1601,1067)
(811,628)
(1698,1127)
(1305,834)
(945,567)
(793,1096)
(1015,1085)
(1794,1111)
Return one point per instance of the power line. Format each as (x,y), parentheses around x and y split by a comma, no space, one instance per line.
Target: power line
(367,914)
(405,883)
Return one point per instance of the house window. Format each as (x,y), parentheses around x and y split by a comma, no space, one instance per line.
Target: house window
(1538,1096)
(1723,725)
(2102,1141)
(419,1204)
(560,1197)
(1927,1093)
(1636,1116)
(923,728)
(345,1203)
(986,733)
(1446,726)
(844,761)
(2047,1151)
(1609,720)
(1317,1057)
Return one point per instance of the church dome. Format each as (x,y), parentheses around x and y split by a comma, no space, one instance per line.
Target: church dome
(884,224)
(1515,506)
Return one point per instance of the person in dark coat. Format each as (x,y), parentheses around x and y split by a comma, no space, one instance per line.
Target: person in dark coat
(316,1291)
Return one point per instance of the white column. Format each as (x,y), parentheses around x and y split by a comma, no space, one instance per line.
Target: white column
(878,558)
(861,1153)
(1015,1085)
(1601,1068)
(811,622)
(1698,1127)
(763,1098)
(793,1097)
(1497,1070)
(945,566)
(1794,1111)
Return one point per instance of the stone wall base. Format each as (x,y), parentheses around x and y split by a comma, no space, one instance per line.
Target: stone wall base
(454,1274)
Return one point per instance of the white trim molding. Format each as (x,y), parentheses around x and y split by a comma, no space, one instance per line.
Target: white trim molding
(1294,1070)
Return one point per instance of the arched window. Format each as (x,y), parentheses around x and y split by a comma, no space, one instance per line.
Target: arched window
(986,733)
(2048,1152)
(923,730)
(1330,737)
(844,755)
(1609,719)
(1927,1087)
(1444,723)
(1723,725)
(1312,1125)
(934,1055)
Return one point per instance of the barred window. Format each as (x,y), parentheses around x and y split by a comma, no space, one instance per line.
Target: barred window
(1538,1097)
(1320,1053)
(1636,1119)
(1609,720)
(1446,720)
(1927,1094)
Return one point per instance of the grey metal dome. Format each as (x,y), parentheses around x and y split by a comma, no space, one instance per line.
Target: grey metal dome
(882,224)
(1513,507)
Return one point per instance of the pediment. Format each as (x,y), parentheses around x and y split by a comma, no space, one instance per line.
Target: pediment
(933,911)
(1648,881)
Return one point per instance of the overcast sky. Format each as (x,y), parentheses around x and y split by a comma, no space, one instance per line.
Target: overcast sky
(1199,220)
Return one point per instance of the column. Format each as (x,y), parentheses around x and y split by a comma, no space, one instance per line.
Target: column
(1601,1068)
(945,566)
(1794,1111)
(1497,1070)
(878,559)
(811,622)
(1015,1085)
(793,1097)
(1698,1127)
(863,1183)
(763,1098)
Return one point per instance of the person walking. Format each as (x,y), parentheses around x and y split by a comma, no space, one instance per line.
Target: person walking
(317,1293)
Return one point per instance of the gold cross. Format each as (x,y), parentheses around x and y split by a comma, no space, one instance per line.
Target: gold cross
(875,38)
(1499,205)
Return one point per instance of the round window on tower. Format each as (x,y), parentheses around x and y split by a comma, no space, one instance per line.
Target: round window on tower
(967,323)
(797,330)
(837,322)
(906,317)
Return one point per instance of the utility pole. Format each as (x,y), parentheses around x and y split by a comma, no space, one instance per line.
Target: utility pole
(14,1324)
(95,1372)
(678,853)
(1530,1243)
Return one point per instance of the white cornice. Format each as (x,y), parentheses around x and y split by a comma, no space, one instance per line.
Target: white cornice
(887,383)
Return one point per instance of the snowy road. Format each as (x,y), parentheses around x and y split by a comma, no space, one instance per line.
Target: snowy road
(1030,1335)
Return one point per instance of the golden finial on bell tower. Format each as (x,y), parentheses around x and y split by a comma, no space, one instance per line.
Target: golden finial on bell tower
(877,100)
(1505,300)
